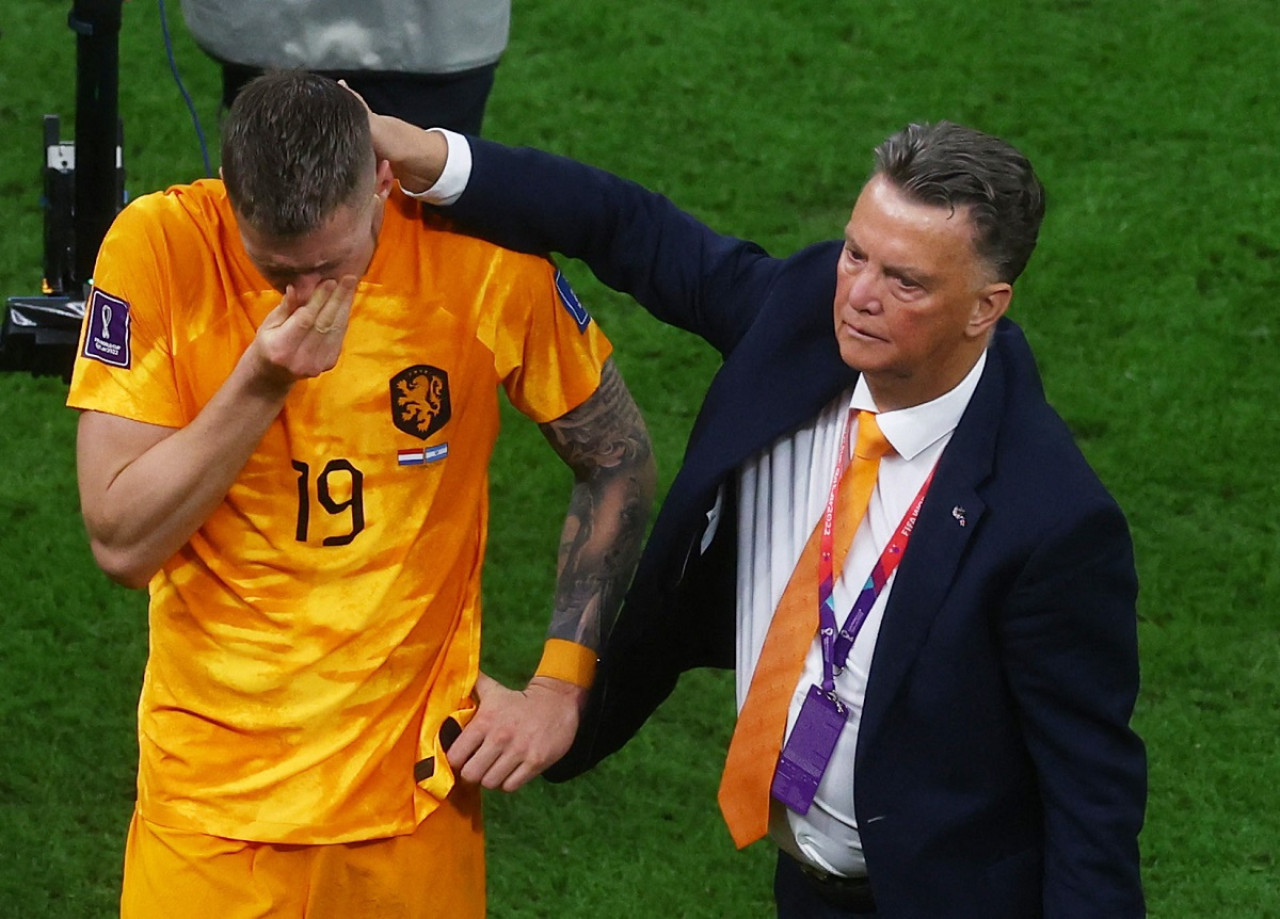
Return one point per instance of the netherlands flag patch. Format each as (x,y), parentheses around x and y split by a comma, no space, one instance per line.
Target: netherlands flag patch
(420,456)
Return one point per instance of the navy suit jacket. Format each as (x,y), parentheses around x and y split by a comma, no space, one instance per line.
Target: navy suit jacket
(996,773)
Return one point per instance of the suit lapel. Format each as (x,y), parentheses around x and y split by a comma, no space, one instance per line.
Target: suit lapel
(951,516)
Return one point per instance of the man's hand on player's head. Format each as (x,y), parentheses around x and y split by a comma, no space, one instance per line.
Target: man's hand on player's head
(417,157)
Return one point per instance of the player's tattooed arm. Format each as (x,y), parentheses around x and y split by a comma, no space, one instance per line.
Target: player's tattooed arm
(606,444)
(515,734)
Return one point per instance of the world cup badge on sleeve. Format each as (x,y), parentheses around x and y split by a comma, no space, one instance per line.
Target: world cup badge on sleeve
(569,300)
(107,338)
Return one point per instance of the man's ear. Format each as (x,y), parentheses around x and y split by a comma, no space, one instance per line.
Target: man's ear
(384,181)
(992,303)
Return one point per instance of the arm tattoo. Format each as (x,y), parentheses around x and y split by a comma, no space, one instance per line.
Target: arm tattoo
(605,442)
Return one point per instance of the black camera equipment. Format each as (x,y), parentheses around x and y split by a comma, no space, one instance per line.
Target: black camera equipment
(83,191)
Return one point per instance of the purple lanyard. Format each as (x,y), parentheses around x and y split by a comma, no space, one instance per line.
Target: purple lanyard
(835,651)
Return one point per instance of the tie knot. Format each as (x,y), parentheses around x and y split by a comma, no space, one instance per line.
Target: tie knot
(871,443)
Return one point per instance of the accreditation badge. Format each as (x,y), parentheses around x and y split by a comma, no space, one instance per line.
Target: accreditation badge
(804,759)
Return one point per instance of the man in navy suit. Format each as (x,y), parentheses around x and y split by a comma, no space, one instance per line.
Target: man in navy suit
(982,765)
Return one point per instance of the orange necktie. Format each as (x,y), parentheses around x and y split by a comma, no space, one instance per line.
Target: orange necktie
(757,738)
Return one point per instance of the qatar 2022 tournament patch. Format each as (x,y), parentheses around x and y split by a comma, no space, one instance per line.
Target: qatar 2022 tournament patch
(107,338)
(571,303)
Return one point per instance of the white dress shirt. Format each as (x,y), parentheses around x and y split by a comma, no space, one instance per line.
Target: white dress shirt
(782,493)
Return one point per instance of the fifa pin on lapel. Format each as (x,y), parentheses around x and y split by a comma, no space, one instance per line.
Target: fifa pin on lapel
(958,513)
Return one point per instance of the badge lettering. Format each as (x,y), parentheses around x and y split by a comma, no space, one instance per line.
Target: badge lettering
(107,337)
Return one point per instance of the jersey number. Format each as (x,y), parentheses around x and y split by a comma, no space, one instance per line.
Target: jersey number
(354,504)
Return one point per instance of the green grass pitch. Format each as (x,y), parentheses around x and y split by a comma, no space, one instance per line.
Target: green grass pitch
(1152,303)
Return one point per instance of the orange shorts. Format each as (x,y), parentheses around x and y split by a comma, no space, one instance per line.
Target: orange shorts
(436,872)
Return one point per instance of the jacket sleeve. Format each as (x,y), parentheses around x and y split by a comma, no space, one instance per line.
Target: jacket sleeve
(634,240)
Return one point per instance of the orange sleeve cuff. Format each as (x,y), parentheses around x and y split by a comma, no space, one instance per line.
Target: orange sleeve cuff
(568,661)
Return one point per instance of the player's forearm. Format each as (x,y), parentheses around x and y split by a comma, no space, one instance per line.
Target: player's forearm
(606,443)
(599,548)
(140,510)
(515,735)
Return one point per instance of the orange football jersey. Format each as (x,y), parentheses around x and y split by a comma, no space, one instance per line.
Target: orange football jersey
(311,638)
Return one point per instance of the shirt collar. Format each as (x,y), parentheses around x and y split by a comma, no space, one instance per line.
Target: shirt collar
(912,430)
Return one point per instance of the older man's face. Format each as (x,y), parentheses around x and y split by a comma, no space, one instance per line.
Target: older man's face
(914,302)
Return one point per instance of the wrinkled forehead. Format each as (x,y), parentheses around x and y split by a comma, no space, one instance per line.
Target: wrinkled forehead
(888,223)
(887,192)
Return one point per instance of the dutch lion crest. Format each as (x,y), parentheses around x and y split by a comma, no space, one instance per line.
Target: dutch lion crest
(420,400)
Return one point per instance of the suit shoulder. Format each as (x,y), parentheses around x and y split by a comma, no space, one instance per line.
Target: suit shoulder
(1042,469)
(801,286)
(1037,455)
